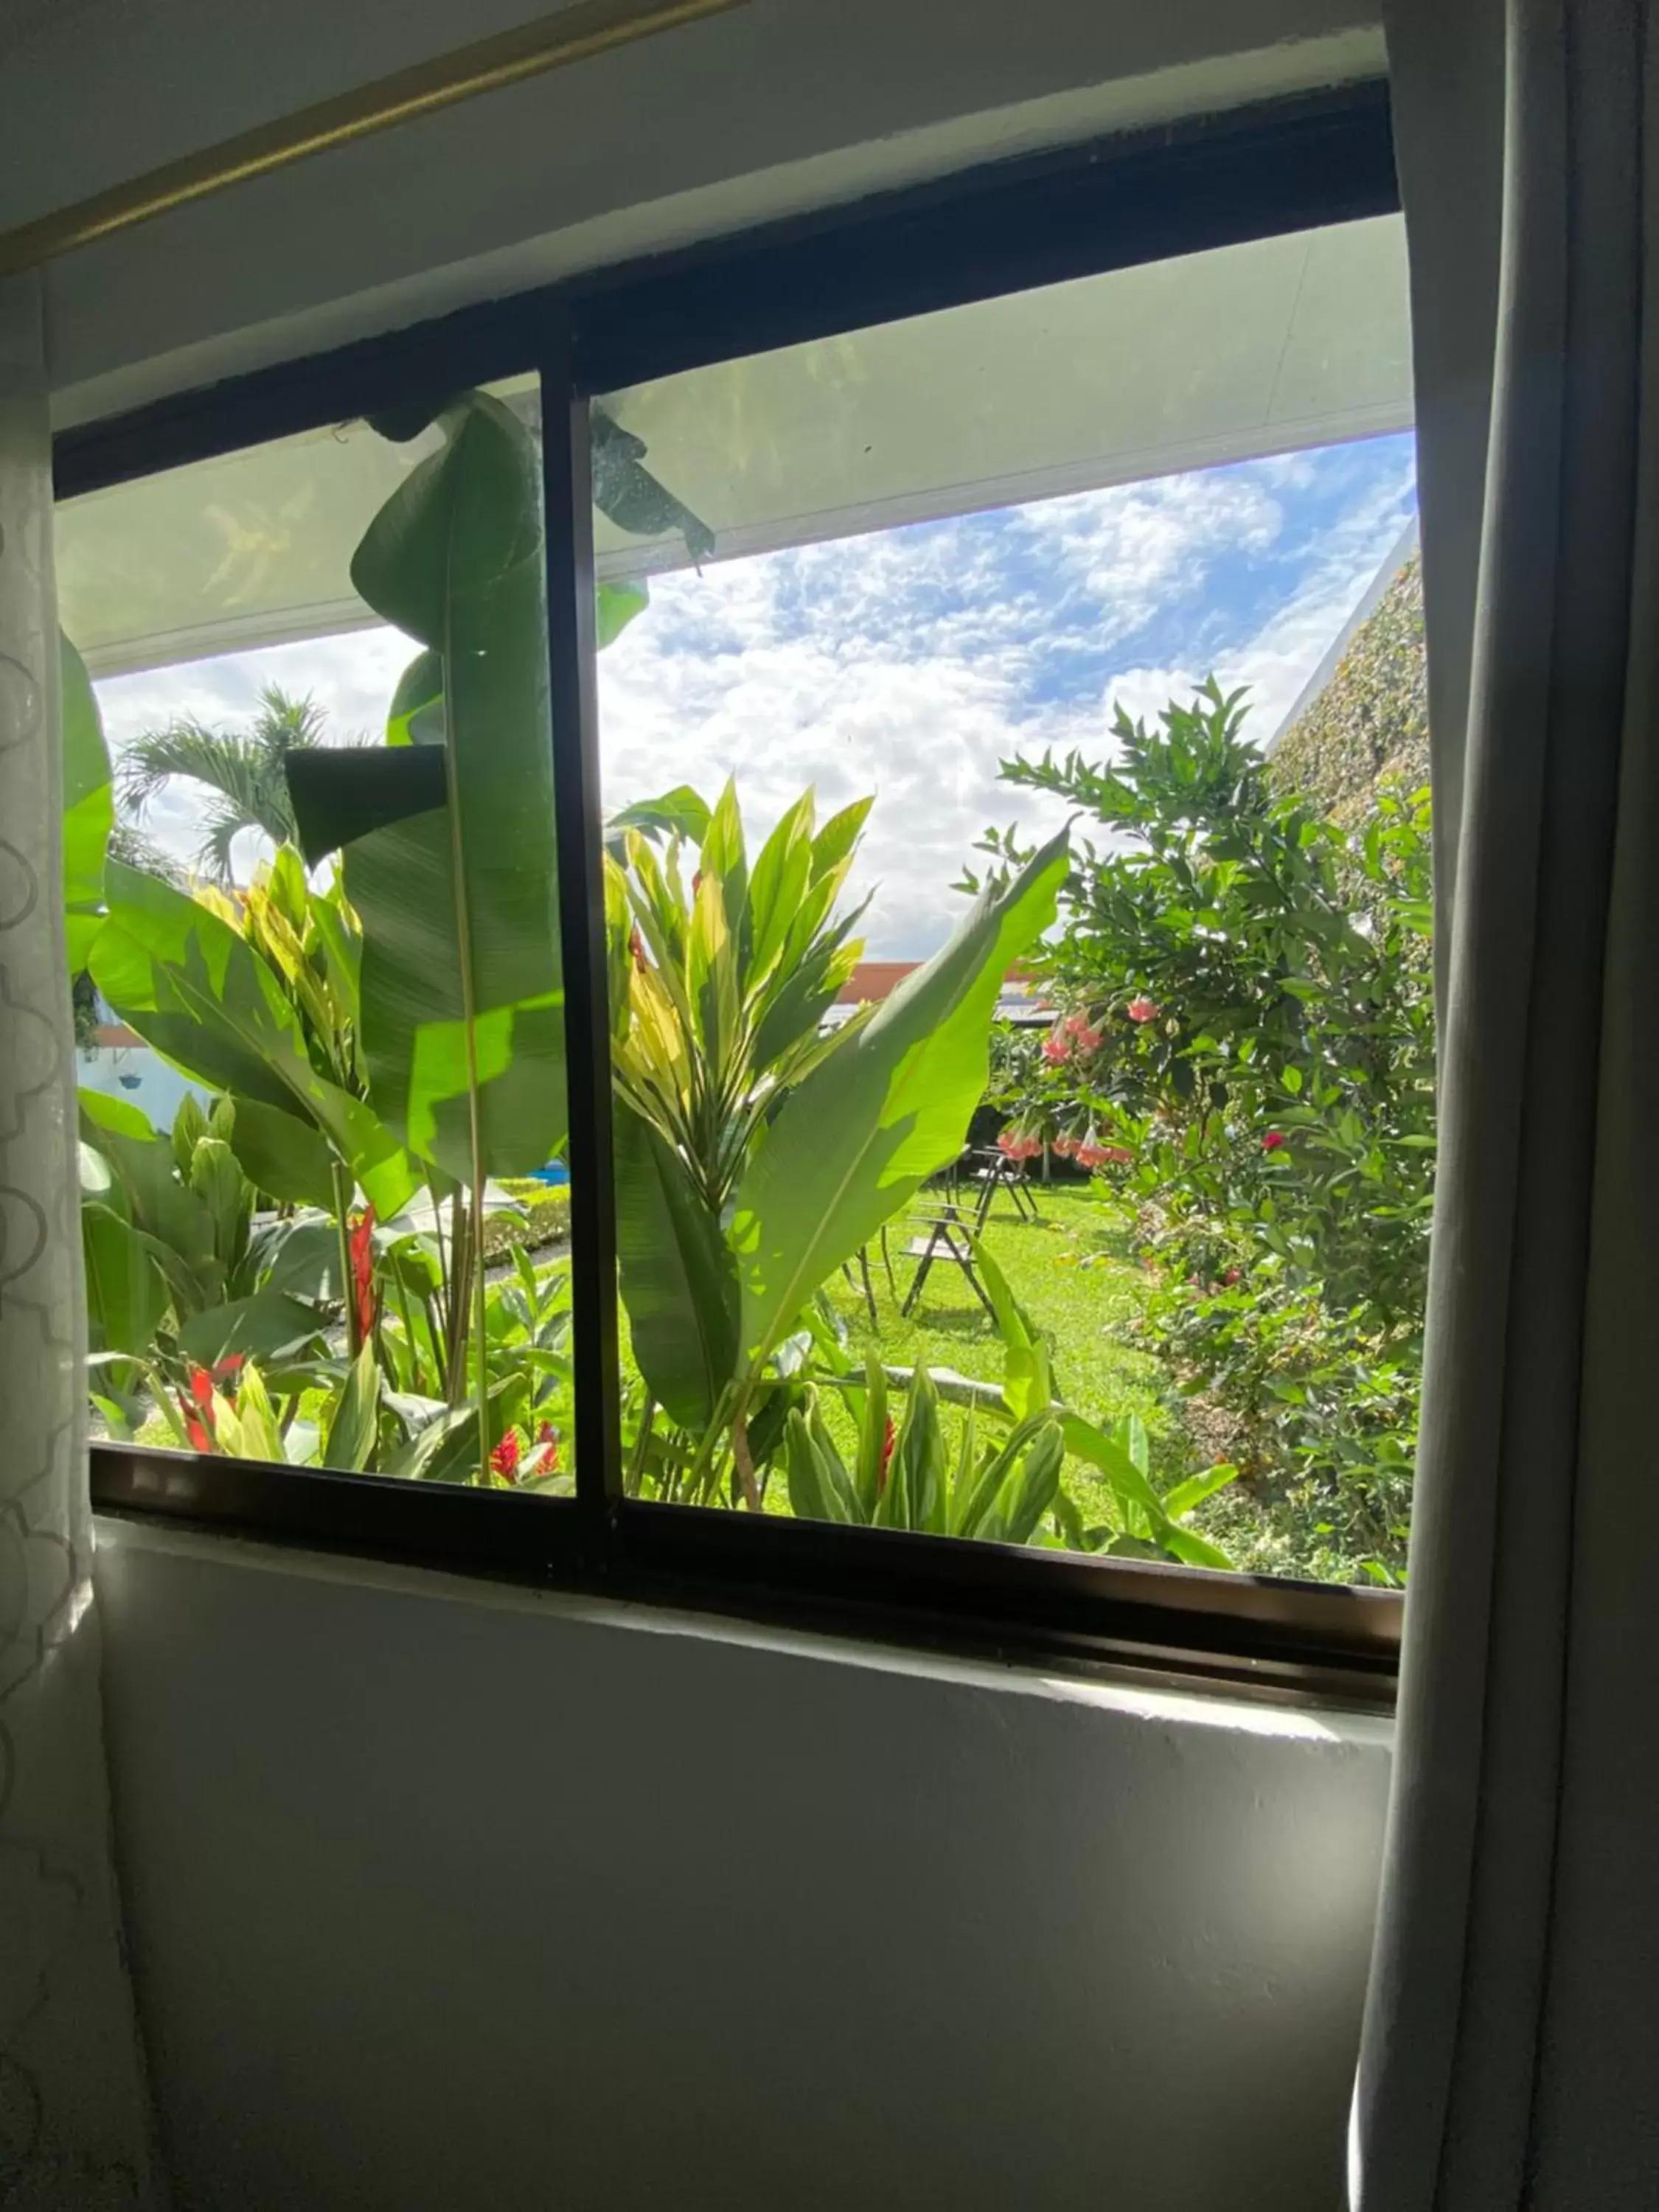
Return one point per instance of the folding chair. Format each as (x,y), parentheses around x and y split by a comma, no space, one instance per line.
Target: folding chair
(947,1239)
(861,1281)
(995,1171)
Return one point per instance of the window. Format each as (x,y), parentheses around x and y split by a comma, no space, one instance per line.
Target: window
(973,1195)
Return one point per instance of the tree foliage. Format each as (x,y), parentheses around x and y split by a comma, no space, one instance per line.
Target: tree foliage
(243,771)
(1247,1026)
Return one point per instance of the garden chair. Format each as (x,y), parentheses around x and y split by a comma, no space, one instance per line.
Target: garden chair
(860,1260)
(992,1171)
(946,1237)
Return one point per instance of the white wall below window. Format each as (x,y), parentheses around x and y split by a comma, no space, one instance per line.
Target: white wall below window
(441,1895)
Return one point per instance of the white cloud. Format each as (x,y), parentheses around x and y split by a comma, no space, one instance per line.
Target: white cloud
(908,663)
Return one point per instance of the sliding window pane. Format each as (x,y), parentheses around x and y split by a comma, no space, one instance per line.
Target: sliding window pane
(318,974)
(1013,749)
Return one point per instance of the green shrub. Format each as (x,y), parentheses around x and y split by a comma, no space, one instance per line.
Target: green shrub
(1245,1045)
(542,1215)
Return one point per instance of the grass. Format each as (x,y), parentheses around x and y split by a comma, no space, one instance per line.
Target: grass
(1074,1271)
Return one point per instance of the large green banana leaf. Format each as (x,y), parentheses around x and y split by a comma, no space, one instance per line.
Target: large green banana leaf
(448,834)
(126,1291)
(201,995)
(854,1140)
(678,1280)
(88,806)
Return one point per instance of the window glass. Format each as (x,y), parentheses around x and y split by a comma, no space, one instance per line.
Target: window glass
(314,928)
(1013,753)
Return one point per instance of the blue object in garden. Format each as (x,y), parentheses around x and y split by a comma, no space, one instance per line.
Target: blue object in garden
(129,1082)
(554,1173)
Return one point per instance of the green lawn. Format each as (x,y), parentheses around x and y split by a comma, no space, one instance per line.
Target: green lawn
(1070,1271)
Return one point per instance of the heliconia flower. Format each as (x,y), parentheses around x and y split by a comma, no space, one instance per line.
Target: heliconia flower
(361,1244)
(198,1422)
(1272,1139)
(889,1437)
(504,1459)
(1142,1009)
(1056,1050)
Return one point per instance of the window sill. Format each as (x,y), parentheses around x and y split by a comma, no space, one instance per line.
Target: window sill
(1272,1641)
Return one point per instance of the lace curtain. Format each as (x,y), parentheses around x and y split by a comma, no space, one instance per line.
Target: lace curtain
(73,2129)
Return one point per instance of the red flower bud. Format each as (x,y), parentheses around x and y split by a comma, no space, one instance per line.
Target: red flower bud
(1272,1139)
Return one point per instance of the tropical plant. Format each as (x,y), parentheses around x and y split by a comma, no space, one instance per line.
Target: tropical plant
(756,1155)
(1003,1478)
(181,1288)
(244,770)
(911,1477)
(720,985)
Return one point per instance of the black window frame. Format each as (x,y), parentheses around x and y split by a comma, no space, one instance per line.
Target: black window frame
(1007,228)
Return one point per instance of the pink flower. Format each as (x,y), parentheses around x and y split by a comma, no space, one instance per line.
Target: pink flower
(1056,1050)
(1272,1139)
(1142,1009)
(1086,1038)
(1103,1156)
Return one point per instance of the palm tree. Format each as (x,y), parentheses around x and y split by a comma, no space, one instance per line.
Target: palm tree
(243,768)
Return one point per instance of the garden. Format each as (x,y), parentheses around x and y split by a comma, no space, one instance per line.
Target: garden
(1178,1316)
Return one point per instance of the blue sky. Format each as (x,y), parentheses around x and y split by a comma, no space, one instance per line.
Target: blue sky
(909,663)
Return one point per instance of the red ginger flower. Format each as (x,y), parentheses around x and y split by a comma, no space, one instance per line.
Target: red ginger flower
(889,1436)
(198,1425)
(544,1454)
(198,1406)
(361,1244)
(504,1459)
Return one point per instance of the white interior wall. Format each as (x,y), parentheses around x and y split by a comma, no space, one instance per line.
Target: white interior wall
(781,105)
(439,1895)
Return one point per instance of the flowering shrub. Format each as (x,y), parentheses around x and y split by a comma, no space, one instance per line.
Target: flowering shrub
(1248,1049)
